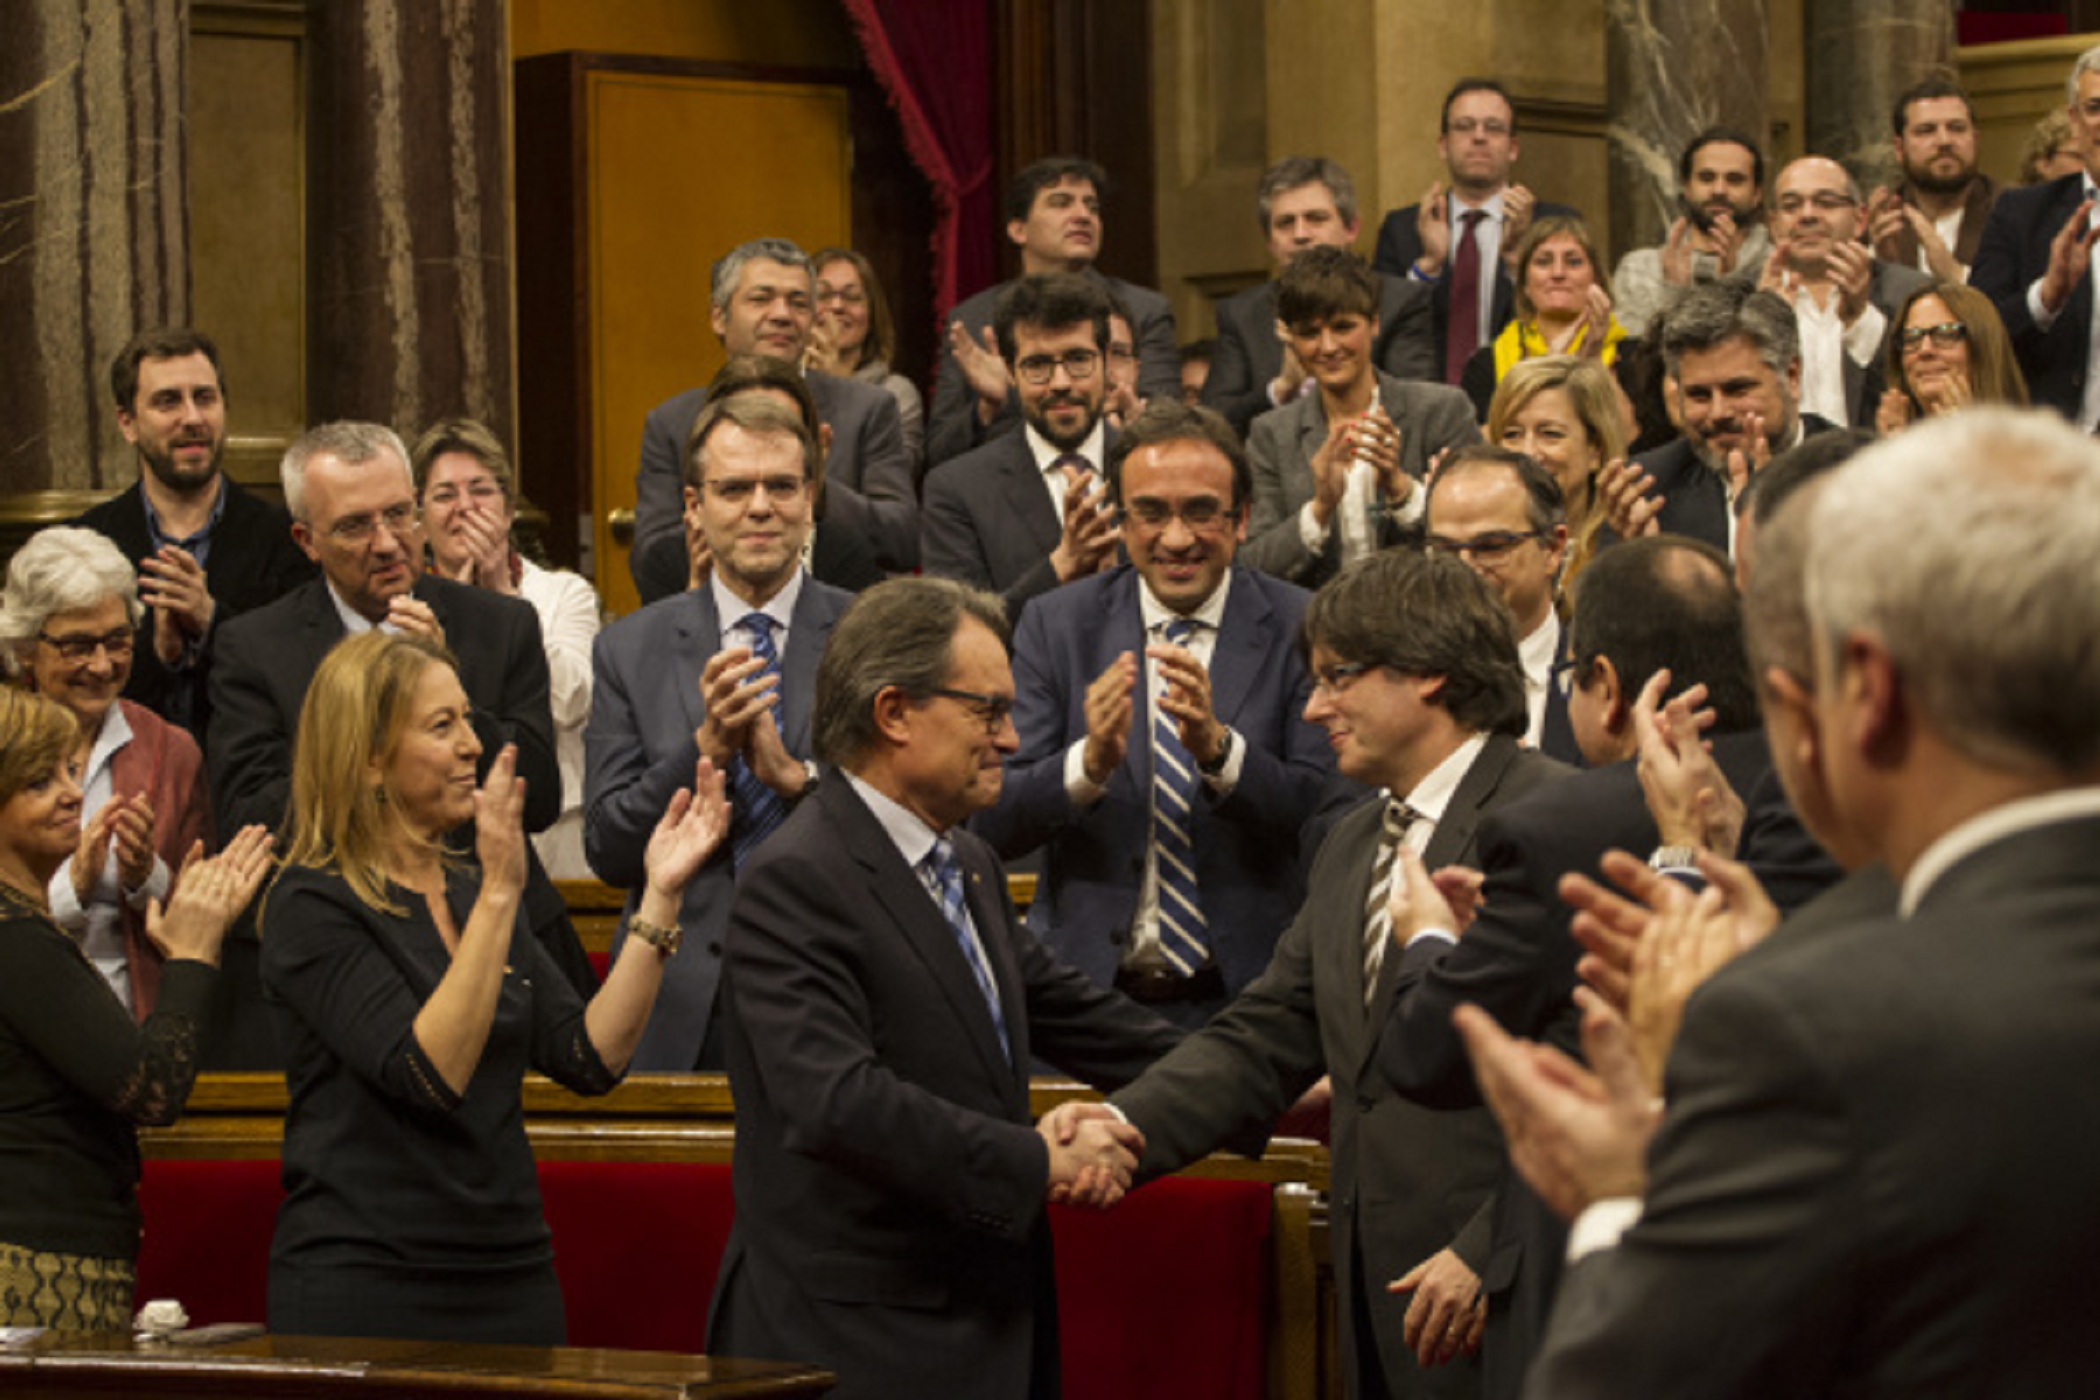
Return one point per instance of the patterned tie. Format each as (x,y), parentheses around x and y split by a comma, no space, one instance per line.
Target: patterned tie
(758,809)
(946,872)
(1462,331)
(1183,931)
(1075,468)
(1378,921)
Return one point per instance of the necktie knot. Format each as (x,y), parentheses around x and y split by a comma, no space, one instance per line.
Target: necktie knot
(1075,467)
(1179,630)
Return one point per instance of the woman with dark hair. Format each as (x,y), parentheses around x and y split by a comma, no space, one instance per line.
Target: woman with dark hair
(1563,307)
(1947,350)
(854,337)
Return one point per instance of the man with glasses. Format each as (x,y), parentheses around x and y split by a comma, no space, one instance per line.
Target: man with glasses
(1417,686)
(1503,514)
(1164,766)
(1024,513)
(1844,298)
(728,671)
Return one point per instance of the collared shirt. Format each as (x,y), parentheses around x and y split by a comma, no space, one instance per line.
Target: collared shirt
(2089,406)
(199,544)
(1720,469)
(1487,237)
(355,623)
(913,838)
(1538,652)
(1094,449)
(731,611)
(1826,342)
(1429,799)
(100,925)
(1988,828)
(1356,514)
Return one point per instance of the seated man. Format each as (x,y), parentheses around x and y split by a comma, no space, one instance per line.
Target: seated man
(1307,202)
(1335,471)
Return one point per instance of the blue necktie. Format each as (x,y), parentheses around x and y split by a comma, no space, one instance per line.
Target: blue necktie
(946,870)
(758,808)
(1184,934)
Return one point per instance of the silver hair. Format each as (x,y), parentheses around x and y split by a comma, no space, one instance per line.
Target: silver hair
(2088,62)
(729,268)
(899,633)
(60,570)
(1296,172)
(1714,312)
(1961,545)
(352,442)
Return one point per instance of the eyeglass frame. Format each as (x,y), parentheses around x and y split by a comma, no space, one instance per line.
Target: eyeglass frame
(1338,679)
(1215,514)
(402,519)
(1825,201)
(994,712)
(1504,543)
(742,489)
(1945,335)
(1079,366)
(79,651)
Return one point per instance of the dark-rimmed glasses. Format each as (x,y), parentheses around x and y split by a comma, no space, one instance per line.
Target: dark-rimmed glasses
(1946,335)
(1039,369)
(992,711)
(79,651)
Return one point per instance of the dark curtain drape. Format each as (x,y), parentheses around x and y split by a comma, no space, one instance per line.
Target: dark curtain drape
(933,58)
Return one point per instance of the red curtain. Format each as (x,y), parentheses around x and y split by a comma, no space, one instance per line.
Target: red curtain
(933,58)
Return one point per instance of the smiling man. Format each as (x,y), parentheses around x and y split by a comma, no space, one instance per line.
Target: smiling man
(1719,229)
(205,549)
(1158,709)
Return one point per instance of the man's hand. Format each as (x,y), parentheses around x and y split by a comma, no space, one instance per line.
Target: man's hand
(1448,1314)
(1518,205)
(1688,940)
(1109,704)
(1093,1153)
(1622,491)
(1742,464)
(172,583)
(1727,242)
(1433,230)
(2070,254)
(699,557)
(1187,699)
(1087,543)
(1851,269)
(1677,253)
(981,367)
(411,614)
(1778,274)
(1609,925)
(1415,903)
(1687,793)
(770,761)
(1576,1135)
(1461,886)
(1312,1116)
(1887,219)
(735,689)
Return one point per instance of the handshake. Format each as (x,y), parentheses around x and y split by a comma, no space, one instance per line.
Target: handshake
(1093,1154)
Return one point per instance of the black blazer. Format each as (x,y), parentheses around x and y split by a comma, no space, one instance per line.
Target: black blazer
(254,561)
(1695,501)
(988,521)
(2014,252)
(1400,246)
(1249,355)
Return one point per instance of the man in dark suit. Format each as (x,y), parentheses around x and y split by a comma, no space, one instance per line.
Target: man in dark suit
(1053,216)
(1170,812)
(206,550)
(884,1007)
(1644,607)
(1457,239)
(725,671)
(2033,265)
(1938,1058)
(1024,512)
(1416,682)
(1307,202)
(764,304)
(1735,353)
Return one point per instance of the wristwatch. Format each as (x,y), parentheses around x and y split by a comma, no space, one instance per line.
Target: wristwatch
(1217,765)
(810,774)
(663,940)
(1674,858)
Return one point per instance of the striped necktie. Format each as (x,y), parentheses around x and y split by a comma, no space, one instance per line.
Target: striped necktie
(945,872)
(1184,934)
(757,808)
(1378,920)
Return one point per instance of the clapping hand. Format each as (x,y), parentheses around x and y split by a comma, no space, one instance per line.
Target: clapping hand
(208,896)
(691,829)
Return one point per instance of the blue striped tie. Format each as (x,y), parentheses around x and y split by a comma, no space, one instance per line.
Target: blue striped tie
(1184,934)
(946,870)
(758,808)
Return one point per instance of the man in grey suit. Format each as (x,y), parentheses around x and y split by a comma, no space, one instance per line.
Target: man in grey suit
(1337,472)
(1874,1171)
(1418,685)
(1053,216)
(1307,202)
(1024,512)
(763,295)
(726,670)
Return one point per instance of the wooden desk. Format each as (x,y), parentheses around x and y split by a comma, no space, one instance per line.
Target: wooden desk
(113,1367)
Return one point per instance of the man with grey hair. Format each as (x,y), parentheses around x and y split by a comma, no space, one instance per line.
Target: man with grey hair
(884,1007)
(1935,1058)
(1735,354)
(1306,202)
(763,297)
(2034,264)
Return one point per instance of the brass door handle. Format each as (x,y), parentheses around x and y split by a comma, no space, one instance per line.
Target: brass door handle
(621,523)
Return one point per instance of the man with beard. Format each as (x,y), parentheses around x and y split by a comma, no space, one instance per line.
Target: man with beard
(205,549)
(1719,231)
(1024,512)
(1933,220)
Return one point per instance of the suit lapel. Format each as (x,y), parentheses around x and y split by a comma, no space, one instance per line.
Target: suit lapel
(1246,646)
(1122,628)
(814,614)
(698,637)
(1025,497)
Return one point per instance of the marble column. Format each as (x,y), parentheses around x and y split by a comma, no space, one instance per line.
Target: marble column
(94,228)
(1861,55)
(1673,68)
(410,213)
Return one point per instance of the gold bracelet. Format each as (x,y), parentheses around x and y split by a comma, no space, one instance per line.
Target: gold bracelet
(663,940)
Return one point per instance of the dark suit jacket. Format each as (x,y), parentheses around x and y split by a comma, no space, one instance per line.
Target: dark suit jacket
(253,561)
(1695,499)
(871,485)
(638,749)
(1875,1173)
(2013,254)
(840,558)
(1400,246)
(889,1182)
(1408,1181)
(1517,961)
(1249,355)
(1247,845)
(951,423)
(1430,417)
(988,521)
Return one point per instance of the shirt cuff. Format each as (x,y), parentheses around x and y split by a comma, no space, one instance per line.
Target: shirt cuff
(1443,935)
(2042,319)
(1311,533)
(1227,777)
(156,887)
(1083,791)
(66,910)
(1601,1225)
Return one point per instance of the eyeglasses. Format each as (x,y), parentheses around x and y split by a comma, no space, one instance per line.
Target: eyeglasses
(399,520)
(1487,548)
(1946,335)
(1466,126)
(1203,513)
(844,296)
(1078,364)
(81,650)
(1337,679)
(992,711)
(1828,201)
(480,493)
(738,489)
